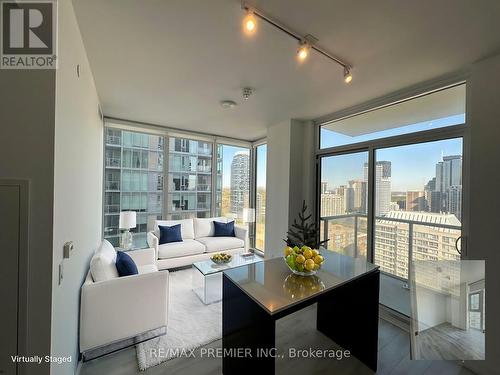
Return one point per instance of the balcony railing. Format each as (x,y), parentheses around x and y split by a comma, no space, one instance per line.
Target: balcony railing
(397,238)
(111,208)
(113,140)
(113,185)
(113,162)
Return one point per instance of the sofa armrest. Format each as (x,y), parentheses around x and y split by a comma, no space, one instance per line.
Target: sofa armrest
(113,310)
(242,233)
(153,242)
(143,257)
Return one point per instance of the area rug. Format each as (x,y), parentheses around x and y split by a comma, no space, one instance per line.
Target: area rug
(191,324)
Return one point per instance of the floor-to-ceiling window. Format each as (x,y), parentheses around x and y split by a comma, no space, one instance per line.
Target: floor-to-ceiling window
(260,196)
(203,179)
(133,181)
(233,182)
(398,168)
(189,178)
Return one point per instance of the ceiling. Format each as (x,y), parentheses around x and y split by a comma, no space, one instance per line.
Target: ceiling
(437,105)
(172,62)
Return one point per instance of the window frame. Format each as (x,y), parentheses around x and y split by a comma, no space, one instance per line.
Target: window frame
(454,131)
(253,190)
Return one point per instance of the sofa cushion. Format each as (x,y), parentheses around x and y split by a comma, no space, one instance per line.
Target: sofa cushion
(170,234)
(125,264)
(214,244)
(224,229)
(180,249)
(205,227)
(102,264)
(147,268)
(187,229)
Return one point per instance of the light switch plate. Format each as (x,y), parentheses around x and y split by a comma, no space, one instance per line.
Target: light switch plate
(68,249)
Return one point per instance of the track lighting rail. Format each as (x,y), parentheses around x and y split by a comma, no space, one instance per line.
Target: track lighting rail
(280,26)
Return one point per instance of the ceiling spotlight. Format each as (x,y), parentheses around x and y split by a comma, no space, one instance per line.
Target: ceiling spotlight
(228,104)
(249,22)
(347,75)
(303,50)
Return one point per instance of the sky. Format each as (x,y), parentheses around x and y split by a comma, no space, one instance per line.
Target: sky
(227,157)
(412,166)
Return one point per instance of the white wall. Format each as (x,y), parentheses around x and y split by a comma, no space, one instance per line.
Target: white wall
(431,308)
(290,179)
(302,167)
(77,184)
(277,189)
(484,119)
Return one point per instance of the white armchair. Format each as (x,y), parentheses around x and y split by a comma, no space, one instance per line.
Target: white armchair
(123,307)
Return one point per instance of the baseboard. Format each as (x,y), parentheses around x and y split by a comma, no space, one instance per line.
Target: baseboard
(394,317)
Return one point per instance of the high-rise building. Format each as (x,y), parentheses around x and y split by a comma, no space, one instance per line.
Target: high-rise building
(332,204)
(415,201)
(133,180)
(429,242)
(455,201)
(324,187)
(448,186)
(382,186)
(356,195)
(189,178)
(240,184)
(448,172)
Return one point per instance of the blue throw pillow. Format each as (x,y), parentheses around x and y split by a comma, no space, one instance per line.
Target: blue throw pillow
(170,234)
(125,264)
(224,229)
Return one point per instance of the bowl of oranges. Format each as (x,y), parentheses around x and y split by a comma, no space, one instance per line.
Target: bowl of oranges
(303,261)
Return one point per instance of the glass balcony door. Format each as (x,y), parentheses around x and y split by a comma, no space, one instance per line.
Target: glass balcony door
(344,203)
(418,210)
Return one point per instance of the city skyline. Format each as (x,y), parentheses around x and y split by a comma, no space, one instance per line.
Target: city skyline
(442,193)
(412,166)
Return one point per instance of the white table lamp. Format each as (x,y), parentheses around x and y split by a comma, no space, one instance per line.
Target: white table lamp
(128,220)
(249,215)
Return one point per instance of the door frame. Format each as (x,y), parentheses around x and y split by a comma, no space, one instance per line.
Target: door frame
(23,265)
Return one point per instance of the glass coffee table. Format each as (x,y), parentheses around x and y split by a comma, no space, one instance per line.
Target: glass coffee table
(207,276)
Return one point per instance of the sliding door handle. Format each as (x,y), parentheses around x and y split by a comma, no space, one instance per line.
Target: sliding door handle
(456,245)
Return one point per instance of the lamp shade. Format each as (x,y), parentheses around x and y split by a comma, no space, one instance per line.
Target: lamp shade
(249,215)
(127,219)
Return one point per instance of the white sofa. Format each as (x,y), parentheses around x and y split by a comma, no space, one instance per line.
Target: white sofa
(198,242)
(113,308)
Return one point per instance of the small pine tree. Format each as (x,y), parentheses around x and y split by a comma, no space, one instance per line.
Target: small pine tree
(304,232)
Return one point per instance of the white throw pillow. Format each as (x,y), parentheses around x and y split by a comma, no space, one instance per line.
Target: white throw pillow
(103,263)
(187,230)
(205,227)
